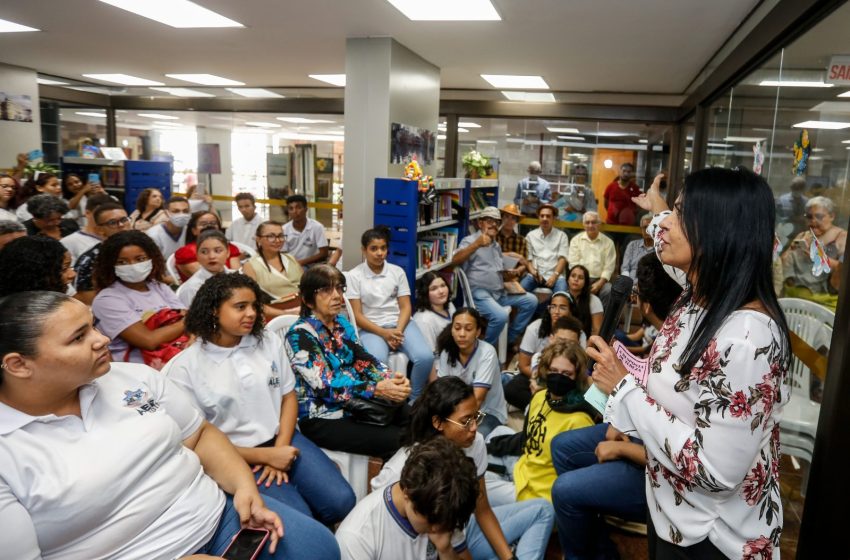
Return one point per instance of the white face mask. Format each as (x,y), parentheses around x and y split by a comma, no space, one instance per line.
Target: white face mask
(70,290)
(180,220)
(133,273)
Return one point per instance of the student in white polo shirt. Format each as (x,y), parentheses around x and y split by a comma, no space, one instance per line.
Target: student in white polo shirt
(420,515)
(380,297)
(171,235)
(239,377)
(212,256)
(104,460)
(244,228)
(305,237)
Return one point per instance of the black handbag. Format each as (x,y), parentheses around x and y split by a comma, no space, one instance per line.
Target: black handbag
(375,411)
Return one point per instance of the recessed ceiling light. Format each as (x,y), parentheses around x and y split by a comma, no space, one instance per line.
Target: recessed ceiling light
(205,79)
(576,138)
(332,79)
(90,114)
(158,116)
(46,82)
(845,141)
(563,130)
(176,13)
(7,26)
(182,92)
(168,124)
(748,139)
(443,137)
(462,130)
(827,125)
(486,141)
(447,10)
(719,145)
(529,96)
(469,125)
(302,120)
(123,79)
(503,81)
(262,124)
(316,137)
(845,94)
(794,83)
(257,93)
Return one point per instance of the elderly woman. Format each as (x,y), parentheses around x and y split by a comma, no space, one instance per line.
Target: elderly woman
(334,373)
(800,280)
(47,211)
(166,483)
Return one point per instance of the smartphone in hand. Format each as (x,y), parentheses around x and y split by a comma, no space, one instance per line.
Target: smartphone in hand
(247,544)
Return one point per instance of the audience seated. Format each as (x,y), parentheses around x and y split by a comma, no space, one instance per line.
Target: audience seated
(422,515)
(433,309)
(77,194)
(548,249)
(108,218)
(333,369)
(47,211)
(35,263)
(111,460)
(186,257)
(8,192)
(618,197)
(81,241)
(481,259)
(532,191)
(511,242)
(585,306)
(212,255)
(171,235)
(45,183)
(637,249)
(131,295)
(277,272)
(565,329)
(380,298)
(464,355)
(244,229)
(10,230)
(596,252)
(305,237)
(150,210)
(238,375)
(448,409)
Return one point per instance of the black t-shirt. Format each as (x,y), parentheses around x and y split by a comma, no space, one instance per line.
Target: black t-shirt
(84,268)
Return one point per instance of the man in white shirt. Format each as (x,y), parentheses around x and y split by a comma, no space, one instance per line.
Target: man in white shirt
(243,230)
(171,235)
(305,237)
(422,516)
(596,252)
(81,241)
(548,250)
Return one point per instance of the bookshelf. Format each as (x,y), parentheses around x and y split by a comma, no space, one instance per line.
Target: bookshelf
(481,193)
(123,179)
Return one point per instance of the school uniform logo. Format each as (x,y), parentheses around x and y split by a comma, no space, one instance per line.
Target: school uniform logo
(274,379)
(138,400)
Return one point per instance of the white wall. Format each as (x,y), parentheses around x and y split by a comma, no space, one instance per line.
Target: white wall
(19,137)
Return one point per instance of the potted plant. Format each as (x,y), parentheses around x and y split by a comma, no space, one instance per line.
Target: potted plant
(475,165)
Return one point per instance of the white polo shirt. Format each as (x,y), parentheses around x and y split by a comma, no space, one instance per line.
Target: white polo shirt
(243,231)
(167,244)
(545,250)
(78,243)
(188,290)
(239,389)
(303,244)
(378,293)
(375,530)
(481,370)
(116,482)
(431,324)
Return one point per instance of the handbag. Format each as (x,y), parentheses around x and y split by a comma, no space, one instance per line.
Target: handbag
(375,411)
(164,352)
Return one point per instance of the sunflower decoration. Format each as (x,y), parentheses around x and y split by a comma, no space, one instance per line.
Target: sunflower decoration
(802,149)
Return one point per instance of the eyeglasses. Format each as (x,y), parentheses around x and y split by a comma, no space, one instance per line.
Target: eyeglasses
(591,222)
(329,290)
(816,216)
(116,222)
(273,237)
(205,225)
(476,419)
(562,308)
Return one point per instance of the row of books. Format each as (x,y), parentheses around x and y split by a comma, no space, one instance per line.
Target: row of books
(112,176)
(446,206)
(477,201)
(436,247)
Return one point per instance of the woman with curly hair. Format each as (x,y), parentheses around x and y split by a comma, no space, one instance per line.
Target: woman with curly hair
(239,377)
(35,263)
(47,213)
(150,210)
(129,275)
(45,183)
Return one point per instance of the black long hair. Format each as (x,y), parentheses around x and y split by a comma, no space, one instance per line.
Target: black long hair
(190,236)
(439,399)
(730,265)
(103,274)
(202,318)
(546,323)
(445,340)
(423,287)
(32,263)
(580,305)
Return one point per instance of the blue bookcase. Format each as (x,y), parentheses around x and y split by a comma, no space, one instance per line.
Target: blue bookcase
(123,179)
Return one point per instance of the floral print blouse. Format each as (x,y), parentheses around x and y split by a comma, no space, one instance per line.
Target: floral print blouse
(712,436)
(331,367)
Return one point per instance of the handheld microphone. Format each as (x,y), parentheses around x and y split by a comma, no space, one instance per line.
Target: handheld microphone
(621,291)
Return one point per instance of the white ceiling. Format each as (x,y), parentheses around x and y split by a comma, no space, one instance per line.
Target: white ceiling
(651,46)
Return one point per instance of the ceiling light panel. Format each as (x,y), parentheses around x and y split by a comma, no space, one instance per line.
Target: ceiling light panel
(795,83)
(332,79)
(562,130)
(123,79)
(158,116)
(447,10)
(504,81)
(748,139)
(468,125)
(46,82)
(262,124)
(7,26)
(182,92)
(826,125)
(206,79)
(254,93)
(92,114)
(529,96)
(175,13)
(302,120)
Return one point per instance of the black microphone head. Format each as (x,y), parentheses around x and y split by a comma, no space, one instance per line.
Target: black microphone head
(621,287)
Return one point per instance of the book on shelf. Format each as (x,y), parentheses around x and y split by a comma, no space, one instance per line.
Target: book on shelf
(436,247)
(445,207)
(477,201)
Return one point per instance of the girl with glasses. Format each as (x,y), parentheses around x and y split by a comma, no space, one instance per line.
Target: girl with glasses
(277,272)
(449,408)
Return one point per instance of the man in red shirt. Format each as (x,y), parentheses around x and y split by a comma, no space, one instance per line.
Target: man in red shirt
(618,197)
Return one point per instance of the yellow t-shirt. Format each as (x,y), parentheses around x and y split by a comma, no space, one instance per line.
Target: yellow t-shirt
(534,473)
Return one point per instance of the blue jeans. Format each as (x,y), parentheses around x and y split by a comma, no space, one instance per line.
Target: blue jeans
(528,524)
(530,284)
(415,347)
(316,487)
(496,309)
(303,537)
(586,488)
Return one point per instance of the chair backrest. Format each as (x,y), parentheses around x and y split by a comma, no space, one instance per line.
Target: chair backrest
(280,324)
(181,289)
(813,323)
(171,267)
(464,287)
(245,248)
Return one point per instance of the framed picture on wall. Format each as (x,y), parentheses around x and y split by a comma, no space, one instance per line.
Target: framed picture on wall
(323,188)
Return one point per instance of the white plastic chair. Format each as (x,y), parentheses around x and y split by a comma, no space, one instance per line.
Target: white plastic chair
(171,267)
(813,323)
(280,324)
(466,290)
(354,469)
(245,248)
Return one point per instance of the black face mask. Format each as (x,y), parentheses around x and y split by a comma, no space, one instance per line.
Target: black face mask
(559,385)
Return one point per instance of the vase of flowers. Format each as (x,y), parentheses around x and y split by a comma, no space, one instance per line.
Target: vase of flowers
(475,165)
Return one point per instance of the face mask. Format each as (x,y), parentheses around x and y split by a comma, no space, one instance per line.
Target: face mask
(133,273)
(180,220)
(559,385)
(70,290)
